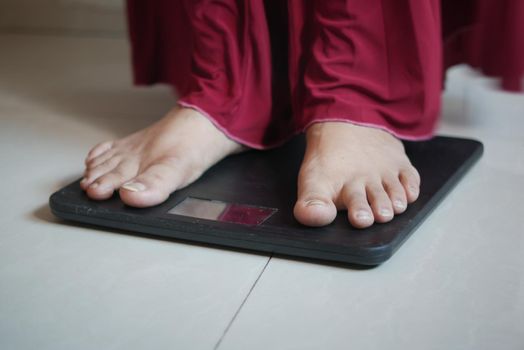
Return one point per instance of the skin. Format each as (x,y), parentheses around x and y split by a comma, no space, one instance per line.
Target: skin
(361,169)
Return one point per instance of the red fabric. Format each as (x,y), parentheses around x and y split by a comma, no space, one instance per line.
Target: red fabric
(370,62)
(487,34)
(263,70)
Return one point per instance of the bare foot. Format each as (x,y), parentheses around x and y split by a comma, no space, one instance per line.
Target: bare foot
(361,169)
(149,165)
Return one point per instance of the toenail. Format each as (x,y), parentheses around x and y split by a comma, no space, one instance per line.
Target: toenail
(363,215)
(413,189)
(399,204)
(314,202)
(100,187)
(385,212)
(134,186)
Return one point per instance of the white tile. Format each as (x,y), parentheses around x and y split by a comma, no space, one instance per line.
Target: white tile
(69,287)
(65,17)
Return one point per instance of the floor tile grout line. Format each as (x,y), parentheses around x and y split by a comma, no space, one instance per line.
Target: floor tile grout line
(217,345)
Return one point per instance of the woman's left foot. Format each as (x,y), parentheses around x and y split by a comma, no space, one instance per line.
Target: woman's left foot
(361,169)
(147,166)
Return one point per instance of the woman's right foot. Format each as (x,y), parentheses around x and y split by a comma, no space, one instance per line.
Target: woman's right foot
(147,166)
(359,169)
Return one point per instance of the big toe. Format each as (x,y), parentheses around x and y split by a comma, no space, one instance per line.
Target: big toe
(314,206)
(153,186)
(315,211)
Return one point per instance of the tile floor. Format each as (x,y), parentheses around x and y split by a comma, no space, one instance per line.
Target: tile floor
(458,283)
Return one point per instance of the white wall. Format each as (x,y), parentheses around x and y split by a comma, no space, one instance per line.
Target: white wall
(79,17)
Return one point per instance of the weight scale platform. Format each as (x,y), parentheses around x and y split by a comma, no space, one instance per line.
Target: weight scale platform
(246,201)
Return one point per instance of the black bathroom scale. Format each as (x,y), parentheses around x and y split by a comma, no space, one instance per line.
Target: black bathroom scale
(246,201)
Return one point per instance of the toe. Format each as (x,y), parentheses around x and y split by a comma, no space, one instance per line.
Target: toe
(105,185)
(379,202)
(314,206)
(396,194)
(360,214)
(410,180)
(101,158)
(155,184)
(98,150)
(92,174)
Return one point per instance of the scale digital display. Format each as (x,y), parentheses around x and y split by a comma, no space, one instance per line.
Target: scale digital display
(222,211)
